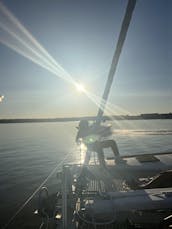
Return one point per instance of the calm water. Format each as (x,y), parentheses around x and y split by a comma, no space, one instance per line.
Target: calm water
(29,152)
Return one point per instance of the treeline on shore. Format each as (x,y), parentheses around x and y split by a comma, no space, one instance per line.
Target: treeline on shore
(91,118)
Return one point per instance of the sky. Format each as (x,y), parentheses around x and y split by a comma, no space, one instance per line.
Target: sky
(81,37)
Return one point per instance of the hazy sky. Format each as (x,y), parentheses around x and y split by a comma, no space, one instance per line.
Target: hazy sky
(81,36)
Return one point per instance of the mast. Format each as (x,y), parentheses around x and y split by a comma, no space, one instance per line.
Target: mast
(121,39)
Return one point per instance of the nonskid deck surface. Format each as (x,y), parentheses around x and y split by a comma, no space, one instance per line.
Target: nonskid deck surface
(145,164)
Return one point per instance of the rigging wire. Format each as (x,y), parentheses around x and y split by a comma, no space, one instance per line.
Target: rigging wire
(35,192)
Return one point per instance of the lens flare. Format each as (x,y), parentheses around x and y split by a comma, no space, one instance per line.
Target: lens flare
(1,98)
(80,87)
(18,38)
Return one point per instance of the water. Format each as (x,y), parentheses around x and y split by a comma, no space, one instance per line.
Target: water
(29,152)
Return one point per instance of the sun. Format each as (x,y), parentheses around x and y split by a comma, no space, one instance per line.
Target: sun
(80,87)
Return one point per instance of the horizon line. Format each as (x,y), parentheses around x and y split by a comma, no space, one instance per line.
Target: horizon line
(90,118)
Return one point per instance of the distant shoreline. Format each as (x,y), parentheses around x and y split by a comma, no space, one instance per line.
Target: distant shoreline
(90,118)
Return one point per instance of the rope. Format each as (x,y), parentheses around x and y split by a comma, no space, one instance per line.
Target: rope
(42,224)
(43,221)
(94,223)
(34,193)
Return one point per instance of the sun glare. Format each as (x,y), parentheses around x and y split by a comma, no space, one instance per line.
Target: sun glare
(1,98)
(80,87)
